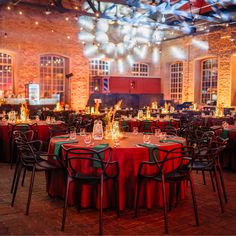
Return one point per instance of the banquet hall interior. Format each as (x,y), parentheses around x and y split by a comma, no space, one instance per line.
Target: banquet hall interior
(117,117)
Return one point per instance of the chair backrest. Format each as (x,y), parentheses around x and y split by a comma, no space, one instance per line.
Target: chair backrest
(173,159)
(58,129)
(169,130)
(83,161)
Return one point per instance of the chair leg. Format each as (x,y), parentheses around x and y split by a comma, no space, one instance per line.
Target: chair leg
(30,191)
(101,208)
(194,200)
(16,184)
(203,177)
(218,190)
(14,177)
(223,184)
(23,178)
(164,204)
(212,182)
(65,203)
(137,198)
(116,188)
(171,196)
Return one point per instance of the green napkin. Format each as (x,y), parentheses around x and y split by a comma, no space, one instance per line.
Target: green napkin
(58,145)
(172,141)
(61,136)
(147,125)
(150,148)
(99,147)
(224,134)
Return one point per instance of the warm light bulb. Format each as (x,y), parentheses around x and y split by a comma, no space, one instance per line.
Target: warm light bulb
(36,22)
(20,12)
(8,8)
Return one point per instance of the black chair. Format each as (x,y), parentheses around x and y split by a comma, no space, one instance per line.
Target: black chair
(32,160)
(169,130)
(182,156)
(208,160)
(95,173)
(20,127)
(24,137)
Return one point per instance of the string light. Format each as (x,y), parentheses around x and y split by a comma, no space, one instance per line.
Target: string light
(68,37)
(36,22)
(8,8)
(20,13)
(67,18)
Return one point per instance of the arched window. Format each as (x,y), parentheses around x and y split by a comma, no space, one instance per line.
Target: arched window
(140,69)
(53,69)
(98,68)
(176,81)
(209,80)
(6,73)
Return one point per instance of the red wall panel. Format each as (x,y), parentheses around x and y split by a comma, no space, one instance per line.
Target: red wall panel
(140,85)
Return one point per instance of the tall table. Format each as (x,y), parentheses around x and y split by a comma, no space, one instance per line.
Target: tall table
(129,156)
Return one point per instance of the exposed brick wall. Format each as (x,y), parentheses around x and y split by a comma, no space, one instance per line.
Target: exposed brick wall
(26,41)
(219,46)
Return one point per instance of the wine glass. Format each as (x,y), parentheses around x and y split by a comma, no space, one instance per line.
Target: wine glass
(157,132)
(87,138)
(72,133)
(146,138)
(82,131)
(116,141)
(135,130)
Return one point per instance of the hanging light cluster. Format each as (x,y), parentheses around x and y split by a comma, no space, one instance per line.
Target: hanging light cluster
(120,41)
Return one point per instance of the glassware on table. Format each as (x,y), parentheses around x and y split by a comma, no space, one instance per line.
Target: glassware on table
(157,133)
(116,141)
(82,132)
(72,134)
(163,135)
(135,130)
(146,138)
(37,118)
(48,119)
(53,120)
(87,138)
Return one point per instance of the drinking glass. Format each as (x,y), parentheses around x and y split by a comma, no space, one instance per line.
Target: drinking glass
(73,133)
(116,141)
(37,118)
(82,131)
(146,138)
(135,130)
(157,132)
(48,119)
(53,120)
(87,138)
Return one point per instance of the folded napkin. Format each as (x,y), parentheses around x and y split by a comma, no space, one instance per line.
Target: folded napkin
(61,136)
(99,147)
(224,134)
(58,145)
(173,141)
(150,148)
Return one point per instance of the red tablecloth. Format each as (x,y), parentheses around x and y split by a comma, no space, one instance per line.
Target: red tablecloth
(129,157)
(43,134)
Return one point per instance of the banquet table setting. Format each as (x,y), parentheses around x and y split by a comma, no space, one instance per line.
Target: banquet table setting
(129,152)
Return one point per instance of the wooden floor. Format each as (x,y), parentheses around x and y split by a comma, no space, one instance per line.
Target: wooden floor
(45,213)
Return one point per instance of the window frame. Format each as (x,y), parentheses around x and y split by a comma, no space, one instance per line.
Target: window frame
(177,80)
(52,71)
(139,72)
(7,77)
(211,78)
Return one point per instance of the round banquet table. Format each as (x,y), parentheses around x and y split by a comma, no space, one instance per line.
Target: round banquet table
(42,130)
(129,156)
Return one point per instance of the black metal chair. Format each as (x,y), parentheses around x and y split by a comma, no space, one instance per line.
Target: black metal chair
(24,137)
(208,159)
(21,127)
(94,173)
(182,156)
(31,159)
